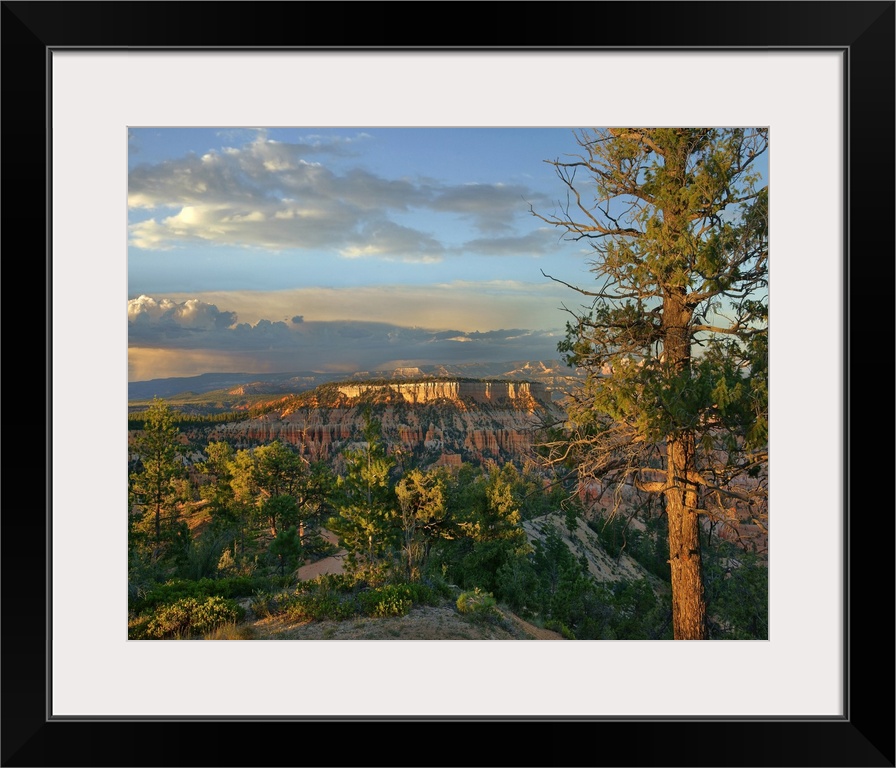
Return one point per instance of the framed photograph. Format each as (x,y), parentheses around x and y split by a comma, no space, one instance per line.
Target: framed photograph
(818,692)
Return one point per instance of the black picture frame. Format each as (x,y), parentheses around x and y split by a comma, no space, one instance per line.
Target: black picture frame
(864,736)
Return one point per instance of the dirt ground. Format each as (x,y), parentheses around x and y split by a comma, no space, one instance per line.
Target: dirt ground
(422,623)
(327,565)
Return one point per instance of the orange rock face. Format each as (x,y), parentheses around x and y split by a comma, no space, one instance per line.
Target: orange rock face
(470,420)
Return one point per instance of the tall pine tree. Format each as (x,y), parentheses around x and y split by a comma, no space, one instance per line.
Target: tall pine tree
(155,487)
(672,333)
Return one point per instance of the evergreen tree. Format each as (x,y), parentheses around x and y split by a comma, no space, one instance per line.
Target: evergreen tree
(286,548)
(157,484)
(673,332)
(367,506)
(424,517)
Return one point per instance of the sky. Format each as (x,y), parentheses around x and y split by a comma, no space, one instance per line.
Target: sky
(267,250)
(286,250)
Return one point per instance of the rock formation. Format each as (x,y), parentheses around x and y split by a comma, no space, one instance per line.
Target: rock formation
(443,421)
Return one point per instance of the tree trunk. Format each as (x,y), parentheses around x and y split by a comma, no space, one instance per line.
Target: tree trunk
(157,543)
(688,600)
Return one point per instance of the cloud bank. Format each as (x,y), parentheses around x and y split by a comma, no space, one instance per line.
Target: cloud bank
(169,338)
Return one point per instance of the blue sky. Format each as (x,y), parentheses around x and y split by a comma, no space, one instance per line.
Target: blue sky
(290,249)
(265,250)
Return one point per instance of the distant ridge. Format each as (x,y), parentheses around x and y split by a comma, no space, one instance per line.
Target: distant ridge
(549,372)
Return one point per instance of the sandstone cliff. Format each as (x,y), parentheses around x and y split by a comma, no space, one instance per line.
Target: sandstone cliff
(435,420)
(521,395)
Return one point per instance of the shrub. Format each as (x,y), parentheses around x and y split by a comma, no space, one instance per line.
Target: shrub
(320,606)
(179,589)
(265,604)
(560,628)
(186,618)
(477,603)
(388,600)
(426,593)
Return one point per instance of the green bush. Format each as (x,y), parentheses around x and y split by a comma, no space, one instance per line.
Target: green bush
(330,596)
(437,589)
(736,585)
(320,606)
(427,593)
(186,618)
(339,582)
(265,604)
(179,589)
(338,596)
(560,628)
(477,602)
(388,600)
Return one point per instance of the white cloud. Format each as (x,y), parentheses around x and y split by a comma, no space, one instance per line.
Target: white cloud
(280,196)
(150,317)
(192,334)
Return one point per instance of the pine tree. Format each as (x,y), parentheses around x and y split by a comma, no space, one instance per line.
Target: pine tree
(367,506)
(156,486)
(673,332)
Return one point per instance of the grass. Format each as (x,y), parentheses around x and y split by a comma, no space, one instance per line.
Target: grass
(231,631)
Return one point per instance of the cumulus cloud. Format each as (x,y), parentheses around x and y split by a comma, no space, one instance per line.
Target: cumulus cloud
(193,314)
(191,322)
(282,196)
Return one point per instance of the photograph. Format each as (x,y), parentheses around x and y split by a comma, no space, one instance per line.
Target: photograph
(416,355)
(448,383)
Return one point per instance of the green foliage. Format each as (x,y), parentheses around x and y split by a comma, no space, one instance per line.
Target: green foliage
(416,535)
(396,599)
(273,487)
(322,603)
(200,556)
(183,420)
(485,507)
(266,603)
(673,335)
(553,585)
(336,597)
(737,593)
(649,547)
(367,517)
(558,626)
(635,612)
(476,601)
(177,589)
(316,547)
(517,585)
(387,600)
(287,549)
(156,486)
(481,565)
(424,517)
(186,618)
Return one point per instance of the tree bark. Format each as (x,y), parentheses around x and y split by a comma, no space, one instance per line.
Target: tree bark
(688,600)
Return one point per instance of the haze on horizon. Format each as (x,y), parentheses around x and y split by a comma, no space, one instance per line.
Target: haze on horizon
(336,250)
